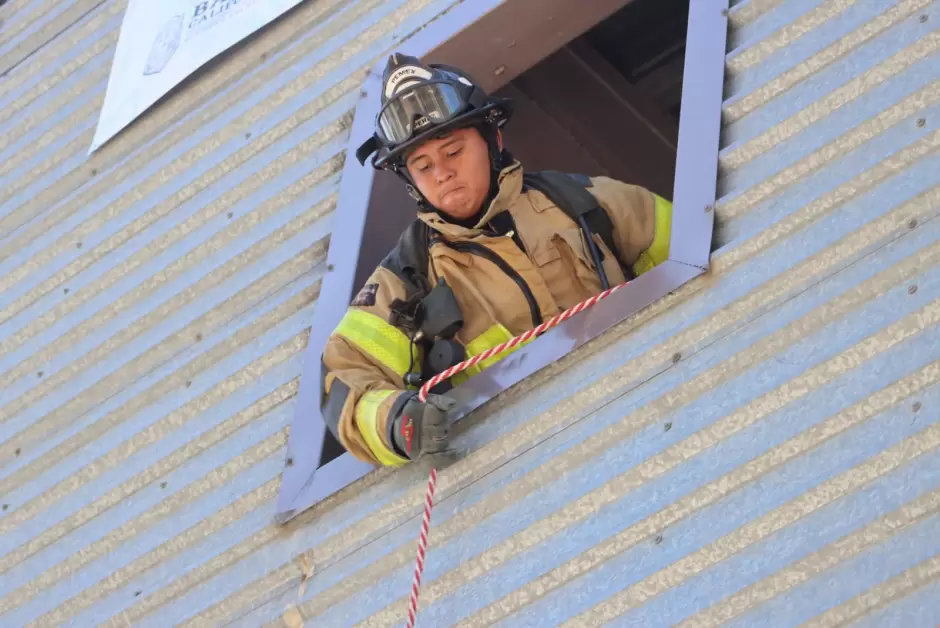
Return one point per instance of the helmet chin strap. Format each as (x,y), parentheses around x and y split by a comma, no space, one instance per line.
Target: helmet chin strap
(499,157)
(411,188)
(490,131)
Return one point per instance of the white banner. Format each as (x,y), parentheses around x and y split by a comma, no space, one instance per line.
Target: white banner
(164,41)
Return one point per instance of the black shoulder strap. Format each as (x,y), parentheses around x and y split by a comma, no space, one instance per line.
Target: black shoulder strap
(409,259)
(569,193)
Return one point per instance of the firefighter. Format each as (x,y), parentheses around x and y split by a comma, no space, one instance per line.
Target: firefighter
(489,256)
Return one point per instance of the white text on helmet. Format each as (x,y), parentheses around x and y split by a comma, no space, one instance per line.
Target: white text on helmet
(404,76)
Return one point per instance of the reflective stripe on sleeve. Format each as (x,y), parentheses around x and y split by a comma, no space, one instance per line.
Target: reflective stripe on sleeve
(367,420)
(658,251)
(495,335)
(386,343)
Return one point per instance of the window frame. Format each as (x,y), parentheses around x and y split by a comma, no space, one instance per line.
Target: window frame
(303,482)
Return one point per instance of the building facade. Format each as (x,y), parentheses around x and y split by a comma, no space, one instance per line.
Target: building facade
(758,447)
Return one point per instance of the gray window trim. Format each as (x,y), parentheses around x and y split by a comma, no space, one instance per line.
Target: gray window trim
(303,484)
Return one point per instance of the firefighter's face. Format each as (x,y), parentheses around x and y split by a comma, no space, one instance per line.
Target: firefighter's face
(453,172)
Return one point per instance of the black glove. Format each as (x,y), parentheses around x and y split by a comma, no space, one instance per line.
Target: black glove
(421,428)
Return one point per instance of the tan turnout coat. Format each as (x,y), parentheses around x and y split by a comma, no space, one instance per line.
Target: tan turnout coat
(370,356)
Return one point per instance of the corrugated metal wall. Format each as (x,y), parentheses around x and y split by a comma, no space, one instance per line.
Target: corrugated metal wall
(155,300)
(760,447)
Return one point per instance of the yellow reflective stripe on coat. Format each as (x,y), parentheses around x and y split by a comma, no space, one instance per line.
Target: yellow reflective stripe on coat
(495,335)
(386,343)
(658,251)
(367,420)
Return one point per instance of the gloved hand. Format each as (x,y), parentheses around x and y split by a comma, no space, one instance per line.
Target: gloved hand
(422,428)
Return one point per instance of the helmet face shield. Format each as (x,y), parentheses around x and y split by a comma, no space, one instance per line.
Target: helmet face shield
(429,103)
(418,101)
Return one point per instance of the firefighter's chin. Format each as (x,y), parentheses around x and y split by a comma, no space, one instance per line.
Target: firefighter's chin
(458,203)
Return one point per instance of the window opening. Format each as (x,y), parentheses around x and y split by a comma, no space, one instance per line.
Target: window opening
(606,103)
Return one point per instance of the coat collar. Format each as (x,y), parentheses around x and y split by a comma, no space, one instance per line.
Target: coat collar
(510,188)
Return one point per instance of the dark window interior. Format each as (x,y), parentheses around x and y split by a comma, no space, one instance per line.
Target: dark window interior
(605,104)
(645,43)
(608,102)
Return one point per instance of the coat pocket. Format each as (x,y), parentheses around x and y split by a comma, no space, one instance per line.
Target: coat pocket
(574,240)
(579,268)
(587,270)
(545,253)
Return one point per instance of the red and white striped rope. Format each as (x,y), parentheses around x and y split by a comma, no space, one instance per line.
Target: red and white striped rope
(509,344)
(422,549)
(423,396)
